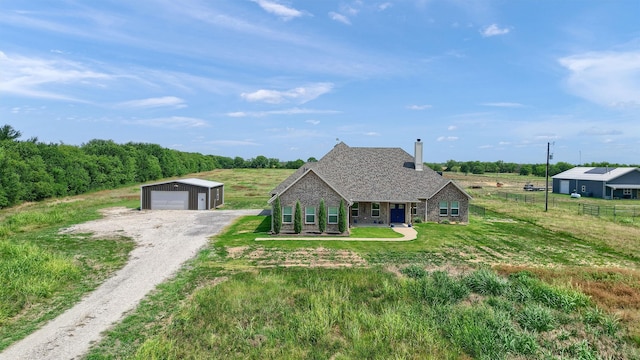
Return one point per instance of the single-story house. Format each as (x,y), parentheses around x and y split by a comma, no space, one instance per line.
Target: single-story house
(599,182)
(377,186)
(182,194)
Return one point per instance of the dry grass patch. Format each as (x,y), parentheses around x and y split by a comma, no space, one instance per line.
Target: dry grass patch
(615,290)
(305,257)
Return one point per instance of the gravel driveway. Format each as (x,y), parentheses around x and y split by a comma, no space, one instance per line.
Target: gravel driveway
(165,240)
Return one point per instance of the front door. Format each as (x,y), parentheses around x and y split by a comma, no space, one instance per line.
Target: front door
(397,213)
(202,201)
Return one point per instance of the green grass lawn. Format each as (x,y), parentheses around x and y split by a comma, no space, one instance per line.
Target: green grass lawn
(515,283)
(236,306)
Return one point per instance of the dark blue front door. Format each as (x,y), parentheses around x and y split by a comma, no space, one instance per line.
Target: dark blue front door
(397,213)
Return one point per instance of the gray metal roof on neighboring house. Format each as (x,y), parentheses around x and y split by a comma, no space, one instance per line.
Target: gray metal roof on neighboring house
(594,173)
(191,181)
(372,174)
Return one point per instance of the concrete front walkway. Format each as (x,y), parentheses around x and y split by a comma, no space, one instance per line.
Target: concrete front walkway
(408,234)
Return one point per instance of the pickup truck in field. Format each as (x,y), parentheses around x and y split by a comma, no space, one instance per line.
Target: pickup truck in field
(531,187)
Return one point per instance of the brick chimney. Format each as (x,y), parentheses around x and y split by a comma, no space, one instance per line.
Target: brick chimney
(419,163)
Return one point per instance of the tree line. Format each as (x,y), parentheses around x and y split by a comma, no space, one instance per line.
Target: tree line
(481,167)
(31,170)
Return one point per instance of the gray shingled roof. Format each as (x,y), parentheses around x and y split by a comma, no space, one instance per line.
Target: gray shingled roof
(372,174)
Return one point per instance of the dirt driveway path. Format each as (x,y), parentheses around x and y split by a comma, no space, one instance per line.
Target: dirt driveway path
(165,239)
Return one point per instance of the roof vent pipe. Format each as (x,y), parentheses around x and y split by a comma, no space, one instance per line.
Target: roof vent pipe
(419,163)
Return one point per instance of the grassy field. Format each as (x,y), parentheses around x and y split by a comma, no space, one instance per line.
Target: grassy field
(516,282)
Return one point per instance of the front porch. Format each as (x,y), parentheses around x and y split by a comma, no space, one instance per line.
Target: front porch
(381,213)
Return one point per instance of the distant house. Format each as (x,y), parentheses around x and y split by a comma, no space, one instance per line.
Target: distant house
(182,194)
(599,182)
(377,185)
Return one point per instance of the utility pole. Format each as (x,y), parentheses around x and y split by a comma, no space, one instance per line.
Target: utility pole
(546,188)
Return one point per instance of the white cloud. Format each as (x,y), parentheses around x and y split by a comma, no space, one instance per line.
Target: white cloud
(33,77)
(504,143)
(609,79)
(339,17)
(503,104)
(299,95)
(447,138)
(284,12)
(170,101)
(172,122)
(233,142)
(494,30)
(452,127)
(384,6)
(292,111)
(372,133)
(419,107)
(313,122)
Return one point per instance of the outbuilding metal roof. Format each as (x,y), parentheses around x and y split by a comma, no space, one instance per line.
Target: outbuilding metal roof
(190,181)
(594,173)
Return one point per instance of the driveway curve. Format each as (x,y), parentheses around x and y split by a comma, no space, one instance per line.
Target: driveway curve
(165,240)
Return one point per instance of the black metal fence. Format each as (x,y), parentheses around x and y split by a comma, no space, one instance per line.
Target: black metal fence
(619,213)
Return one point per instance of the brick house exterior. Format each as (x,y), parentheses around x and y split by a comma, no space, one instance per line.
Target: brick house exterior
(377,186)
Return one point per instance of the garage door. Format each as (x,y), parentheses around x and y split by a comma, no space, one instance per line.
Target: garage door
(169,200)
(564,186)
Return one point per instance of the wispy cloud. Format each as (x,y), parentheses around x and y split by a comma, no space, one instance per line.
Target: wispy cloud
(172,122)
(384,6)
(339,18)
(282,11)
(372,133)
(605,78)
(494,30)
(597,131)
(447,138)
(233,142)
(313,122)
(41,78)
(299,95)
(419,107)
(452,127)
(166,101)
(292,111)
(503,104)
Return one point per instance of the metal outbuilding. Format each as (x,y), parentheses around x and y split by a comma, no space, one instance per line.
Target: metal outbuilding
(182,194)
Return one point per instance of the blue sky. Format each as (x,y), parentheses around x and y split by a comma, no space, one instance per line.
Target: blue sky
(475,80)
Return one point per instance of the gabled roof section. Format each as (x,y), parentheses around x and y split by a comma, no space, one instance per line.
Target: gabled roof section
(302,177)
(371,174)
(594,173)
(190,181)
(454,184)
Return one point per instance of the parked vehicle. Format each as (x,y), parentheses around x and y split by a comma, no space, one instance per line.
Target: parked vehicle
(531,187)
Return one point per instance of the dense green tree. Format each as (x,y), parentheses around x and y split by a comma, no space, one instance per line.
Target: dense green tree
(297,219)
(525,170)
(276,215)
(322,217)
(342,217)
(7,132)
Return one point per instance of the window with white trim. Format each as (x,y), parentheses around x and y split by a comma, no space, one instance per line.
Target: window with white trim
(444,208)
(310,215)
(355,209)
(332,215)
(414,209)
(455,208)
(375,209)
(626,192)
(584,188)
(287,214)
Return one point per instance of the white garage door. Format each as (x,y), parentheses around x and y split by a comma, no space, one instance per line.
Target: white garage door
(169,200)
(564,186)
